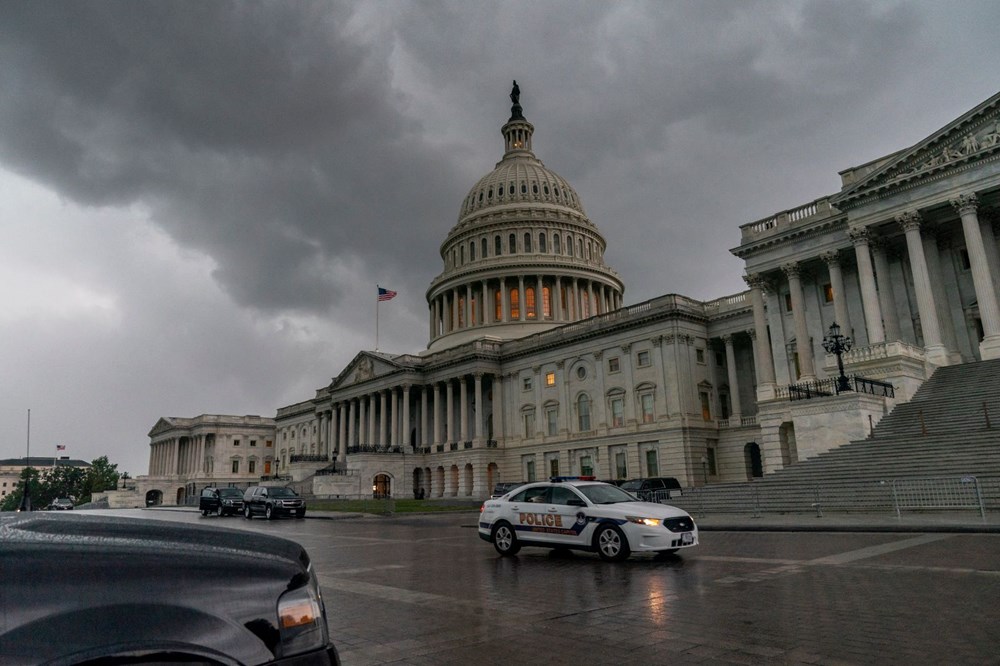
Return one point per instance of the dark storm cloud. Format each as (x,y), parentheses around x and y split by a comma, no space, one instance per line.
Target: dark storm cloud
(261,133)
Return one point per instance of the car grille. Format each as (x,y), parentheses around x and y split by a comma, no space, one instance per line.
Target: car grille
(685,524)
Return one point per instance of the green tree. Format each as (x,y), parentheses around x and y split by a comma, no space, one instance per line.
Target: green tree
(102,475)
(64,481)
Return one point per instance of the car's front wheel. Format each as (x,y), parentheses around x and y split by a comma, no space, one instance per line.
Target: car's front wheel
(246,512)
(219,511)
(504,539)
(268,512)
(611,544)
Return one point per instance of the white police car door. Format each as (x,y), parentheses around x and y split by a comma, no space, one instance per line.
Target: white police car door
(528,510)
(571,519)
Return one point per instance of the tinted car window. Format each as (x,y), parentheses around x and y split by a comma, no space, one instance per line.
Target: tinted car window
(530,495)
(281,492)
(230,493)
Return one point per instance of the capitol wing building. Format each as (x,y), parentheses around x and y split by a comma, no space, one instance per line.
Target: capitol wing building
(535,366)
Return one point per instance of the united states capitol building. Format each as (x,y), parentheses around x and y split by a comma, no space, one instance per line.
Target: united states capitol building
(535,365)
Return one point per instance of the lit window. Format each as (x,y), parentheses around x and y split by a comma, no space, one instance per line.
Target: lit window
(828,293)
(529,303)
(550,379)
(515,309)
(706,408)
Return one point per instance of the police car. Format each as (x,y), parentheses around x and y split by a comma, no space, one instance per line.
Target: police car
(583,514)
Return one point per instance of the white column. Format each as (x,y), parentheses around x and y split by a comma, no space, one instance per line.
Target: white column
(363,431)
(498,408)
(394,412)
(734,382)
(803,344)
(521,301)
(477,407)
(932,254)
(967,205)
(405,439)
(425,432)
(351,428)
(765,363)
(371,432)
(468,306)
(450,411)
(866,278)
(936,352)
(437,413)
(383,421)
(886,296)
(558,302)
(463,397)
(342,444)
(504,308)
(832,260)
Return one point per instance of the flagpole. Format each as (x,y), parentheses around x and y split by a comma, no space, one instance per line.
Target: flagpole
(377,299)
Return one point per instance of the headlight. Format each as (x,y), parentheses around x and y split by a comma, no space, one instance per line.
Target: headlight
(648,522)
(302,619)
(227,502)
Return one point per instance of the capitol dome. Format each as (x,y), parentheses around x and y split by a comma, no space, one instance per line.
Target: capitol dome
(523,257)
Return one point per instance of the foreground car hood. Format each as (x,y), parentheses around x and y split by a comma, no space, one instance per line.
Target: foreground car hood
(79,587)
(646,509)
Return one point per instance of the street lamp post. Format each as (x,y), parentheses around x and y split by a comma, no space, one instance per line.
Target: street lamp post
(837,344)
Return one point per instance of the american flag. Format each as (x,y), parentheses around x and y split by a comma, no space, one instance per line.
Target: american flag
(386,294)
(60,447)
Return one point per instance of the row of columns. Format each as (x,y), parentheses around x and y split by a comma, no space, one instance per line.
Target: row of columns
(177,455)
(474,304)
(383,418)
(878,298)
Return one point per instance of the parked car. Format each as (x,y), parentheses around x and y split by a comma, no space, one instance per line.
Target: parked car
(221,501)
(272,502)
(584,515)
(60,504)
(505,487)
(90,590)
(653,489)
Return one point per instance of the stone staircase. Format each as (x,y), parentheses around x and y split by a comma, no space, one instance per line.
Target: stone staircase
(939,451)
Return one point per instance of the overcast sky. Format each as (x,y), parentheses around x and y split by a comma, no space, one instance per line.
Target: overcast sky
(197,199)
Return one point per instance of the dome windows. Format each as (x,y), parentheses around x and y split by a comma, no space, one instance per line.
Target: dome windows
(541,243)
(546,189)
(497,246)
(556,247)
(511,244)
(527,242)
(511,192)
(524,187)
(484,246)
(534,188)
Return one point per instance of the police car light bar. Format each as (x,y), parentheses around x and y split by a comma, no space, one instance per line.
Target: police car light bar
(560,479)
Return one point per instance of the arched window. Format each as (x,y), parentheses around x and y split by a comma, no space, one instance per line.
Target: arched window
(515,309)
(583,412)
(485,245)
(461,255)
(556,246)
(527,242)
(547,302)
(541,243)
(569,245)
(529,303)
(511,244)
(472,251)
(497,246)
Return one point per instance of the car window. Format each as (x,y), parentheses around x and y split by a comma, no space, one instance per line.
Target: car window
(536,494)
(207,492)
(230,492)
(631,485)
(282,492)
(601,493)
(562,495)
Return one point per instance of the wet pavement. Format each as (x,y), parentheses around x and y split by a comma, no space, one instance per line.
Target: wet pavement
(858,589)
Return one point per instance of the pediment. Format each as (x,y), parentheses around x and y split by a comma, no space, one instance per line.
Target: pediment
(163,425)
(973,137)
(366,366)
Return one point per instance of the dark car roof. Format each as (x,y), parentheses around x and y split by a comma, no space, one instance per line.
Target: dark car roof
(76,585)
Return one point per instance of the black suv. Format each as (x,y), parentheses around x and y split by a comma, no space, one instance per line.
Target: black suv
(505,487)
(94,590)
(221,501)
(272,501)
(653,489)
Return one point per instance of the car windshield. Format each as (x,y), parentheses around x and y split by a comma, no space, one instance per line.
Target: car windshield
(602,493)
(230,492)
(631,485)
(281,492)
